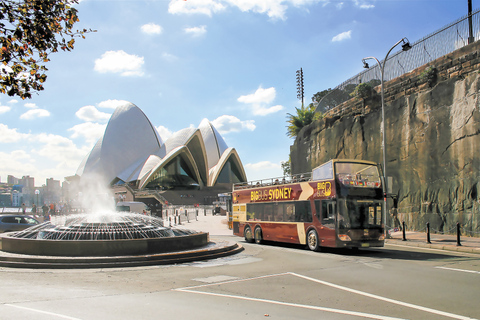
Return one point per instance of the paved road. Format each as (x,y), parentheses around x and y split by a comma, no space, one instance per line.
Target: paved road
(263,282)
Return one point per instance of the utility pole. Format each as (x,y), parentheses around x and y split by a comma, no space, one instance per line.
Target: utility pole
(471,39)
(300,85)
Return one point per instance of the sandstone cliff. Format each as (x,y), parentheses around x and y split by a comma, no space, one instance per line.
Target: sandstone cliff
(433,141)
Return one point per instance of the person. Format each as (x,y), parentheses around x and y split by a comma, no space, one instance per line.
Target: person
(24,208)
(45,210)
(34,209)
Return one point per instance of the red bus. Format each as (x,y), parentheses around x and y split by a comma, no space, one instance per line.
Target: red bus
(339,205)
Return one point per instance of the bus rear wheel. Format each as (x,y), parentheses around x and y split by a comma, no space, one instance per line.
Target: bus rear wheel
(313,241)
(258,235)
(247,233)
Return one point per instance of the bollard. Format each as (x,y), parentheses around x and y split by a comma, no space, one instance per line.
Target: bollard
(186,215)
(170,221)
(403,231)
(458,235)
(428,232)
(196,215)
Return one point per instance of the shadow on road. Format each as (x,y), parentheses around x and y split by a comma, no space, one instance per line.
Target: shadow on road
(381,253)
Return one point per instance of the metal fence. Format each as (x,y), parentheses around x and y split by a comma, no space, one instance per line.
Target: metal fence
(423,51)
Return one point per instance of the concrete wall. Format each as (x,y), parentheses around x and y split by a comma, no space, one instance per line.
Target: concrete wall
(433,142)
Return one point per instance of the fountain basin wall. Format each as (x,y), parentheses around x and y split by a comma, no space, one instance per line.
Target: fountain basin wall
(85,248)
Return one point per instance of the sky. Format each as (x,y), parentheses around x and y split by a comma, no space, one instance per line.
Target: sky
(233,62)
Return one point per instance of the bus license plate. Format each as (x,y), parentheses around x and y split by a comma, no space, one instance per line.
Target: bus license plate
(365,245)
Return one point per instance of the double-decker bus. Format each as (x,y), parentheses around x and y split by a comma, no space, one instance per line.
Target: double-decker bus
(339,205)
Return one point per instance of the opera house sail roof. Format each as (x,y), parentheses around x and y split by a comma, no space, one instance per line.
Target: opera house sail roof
(131,151)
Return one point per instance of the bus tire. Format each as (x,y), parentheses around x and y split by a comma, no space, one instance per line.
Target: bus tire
(258,235)
(247,233)
(312,240)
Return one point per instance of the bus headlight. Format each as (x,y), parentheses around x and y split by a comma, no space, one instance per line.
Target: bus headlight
(344,237)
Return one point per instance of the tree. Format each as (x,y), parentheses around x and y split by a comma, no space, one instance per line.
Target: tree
(305,116)
(286,167)
(30,30)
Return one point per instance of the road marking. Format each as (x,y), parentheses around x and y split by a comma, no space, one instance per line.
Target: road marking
(41,311)
(346,312)
(374,296)
(462,270)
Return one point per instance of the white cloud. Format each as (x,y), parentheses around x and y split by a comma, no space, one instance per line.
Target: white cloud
(169,57)
(363,4)
(263,170)
(4,109)
(17,163)
(226,123)
(112,103)
(275,9)
(342,36)
(90,131)
(120,62)
(207,7)
(260,96)
(151,28)
(90,113)
(196,31)
(260,101)
(30,105)
(8,135)
(35,113)
(13,101)
(59,149)
(263,111)
(164,132)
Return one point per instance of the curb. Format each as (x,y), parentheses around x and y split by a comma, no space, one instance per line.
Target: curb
(409,243)
(211,251)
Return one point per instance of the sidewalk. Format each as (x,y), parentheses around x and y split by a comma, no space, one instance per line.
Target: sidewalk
(437,241)
(217,226)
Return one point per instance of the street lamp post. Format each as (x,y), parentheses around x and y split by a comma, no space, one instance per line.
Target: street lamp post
(37,192)
(405,47)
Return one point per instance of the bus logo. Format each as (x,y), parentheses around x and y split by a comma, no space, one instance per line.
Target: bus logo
(324,189)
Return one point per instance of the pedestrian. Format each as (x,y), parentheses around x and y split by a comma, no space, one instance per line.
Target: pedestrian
(34,209)
(24,208)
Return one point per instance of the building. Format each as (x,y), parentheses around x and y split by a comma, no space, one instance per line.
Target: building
(132,153)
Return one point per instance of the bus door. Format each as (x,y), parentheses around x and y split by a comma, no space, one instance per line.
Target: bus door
(326,211)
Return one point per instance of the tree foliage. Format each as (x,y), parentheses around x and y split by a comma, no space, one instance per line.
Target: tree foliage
(304,116)
(30,30)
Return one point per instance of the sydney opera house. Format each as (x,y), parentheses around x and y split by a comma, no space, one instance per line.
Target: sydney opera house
(131,152)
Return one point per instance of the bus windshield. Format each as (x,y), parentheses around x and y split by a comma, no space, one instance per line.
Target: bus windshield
(357,174)
(359,214)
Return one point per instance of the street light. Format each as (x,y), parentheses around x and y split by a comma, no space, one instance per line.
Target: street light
(405,47)
(37,192)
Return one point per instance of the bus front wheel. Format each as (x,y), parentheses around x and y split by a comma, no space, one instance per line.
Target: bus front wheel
(313,241)
(258,235)
(247,232)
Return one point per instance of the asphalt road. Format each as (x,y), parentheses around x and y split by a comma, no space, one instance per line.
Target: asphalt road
(263,282)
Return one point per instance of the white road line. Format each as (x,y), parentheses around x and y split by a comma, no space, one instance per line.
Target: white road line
(462,270)
(360,314)
(374,296)
(346,312)
(41,311)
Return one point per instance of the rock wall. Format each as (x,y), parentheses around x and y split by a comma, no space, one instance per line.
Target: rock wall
(433,141)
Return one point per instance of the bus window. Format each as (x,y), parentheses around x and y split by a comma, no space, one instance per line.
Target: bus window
(326,212)
(289,212)
(278,212)
(267,212)
(358,214)
(303,212)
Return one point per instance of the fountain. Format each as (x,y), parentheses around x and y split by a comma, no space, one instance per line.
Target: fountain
(105,238)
